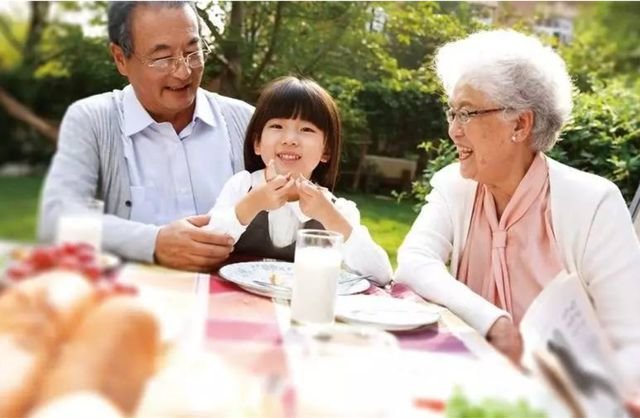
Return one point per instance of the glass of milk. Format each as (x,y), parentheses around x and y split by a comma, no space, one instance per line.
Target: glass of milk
(81,222)
(316,268)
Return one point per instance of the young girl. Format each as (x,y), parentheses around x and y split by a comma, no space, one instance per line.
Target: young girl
(294,135)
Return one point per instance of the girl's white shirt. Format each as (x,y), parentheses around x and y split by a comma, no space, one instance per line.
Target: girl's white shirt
(361,253)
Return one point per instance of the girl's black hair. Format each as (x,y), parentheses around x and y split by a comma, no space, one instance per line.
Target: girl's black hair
(291,98)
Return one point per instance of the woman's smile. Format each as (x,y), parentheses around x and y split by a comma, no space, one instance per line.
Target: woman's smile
(463,152)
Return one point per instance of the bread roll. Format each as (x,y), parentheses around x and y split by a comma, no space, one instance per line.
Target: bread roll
(112,352)
(36,315)
(78,405)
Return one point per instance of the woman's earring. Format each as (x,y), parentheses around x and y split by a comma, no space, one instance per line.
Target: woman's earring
(513,138)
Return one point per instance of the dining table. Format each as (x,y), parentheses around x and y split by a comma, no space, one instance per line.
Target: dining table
(230,352)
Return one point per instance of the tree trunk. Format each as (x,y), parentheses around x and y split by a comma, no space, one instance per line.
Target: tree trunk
(37,25)
(26,115)
(231,78)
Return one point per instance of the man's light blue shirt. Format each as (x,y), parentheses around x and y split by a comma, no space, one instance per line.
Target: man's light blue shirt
(173,175)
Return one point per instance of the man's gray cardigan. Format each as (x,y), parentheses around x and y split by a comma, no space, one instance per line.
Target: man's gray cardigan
(90,162)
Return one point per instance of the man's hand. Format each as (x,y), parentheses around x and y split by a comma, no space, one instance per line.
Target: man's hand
(184,245)
(506,338)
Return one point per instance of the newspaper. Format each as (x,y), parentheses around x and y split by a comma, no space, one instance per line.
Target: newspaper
(564,342)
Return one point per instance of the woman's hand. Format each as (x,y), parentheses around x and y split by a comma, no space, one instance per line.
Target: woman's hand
(271,195)
(316,205)
(506,338)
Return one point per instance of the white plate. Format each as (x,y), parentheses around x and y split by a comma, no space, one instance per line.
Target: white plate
(386,313)
(280,273)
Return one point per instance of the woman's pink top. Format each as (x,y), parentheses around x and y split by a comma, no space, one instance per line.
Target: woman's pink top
(509,260)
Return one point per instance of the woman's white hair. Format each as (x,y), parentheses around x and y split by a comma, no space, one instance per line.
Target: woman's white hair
(514,70)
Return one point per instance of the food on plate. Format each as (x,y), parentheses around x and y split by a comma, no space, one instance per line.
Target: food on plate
(112,353)
(64,332)
(275,279)
(78,257)
(35,317)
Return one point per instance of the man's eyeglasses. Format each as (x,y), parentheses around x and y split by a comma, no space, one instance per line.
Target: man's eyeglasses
(193,60)
(464,116)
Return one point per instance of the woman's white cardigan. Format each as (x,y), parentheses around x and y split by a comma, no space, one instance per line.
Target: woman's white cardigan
(594,232)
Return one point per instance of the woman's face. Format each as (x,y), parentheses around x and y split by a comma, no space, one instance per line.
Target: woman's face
(484,145)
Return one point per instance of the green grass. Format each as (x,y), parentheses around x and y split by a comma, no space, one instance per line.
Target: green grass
(387,221)
(18,207)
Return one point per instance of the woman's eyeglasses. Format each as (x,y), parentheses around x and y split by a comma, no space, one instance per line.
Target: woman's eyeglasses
(464,116)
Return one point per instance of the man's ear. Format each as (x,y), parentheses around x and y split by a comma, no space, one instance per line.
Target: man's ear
(119,58)
(524,125)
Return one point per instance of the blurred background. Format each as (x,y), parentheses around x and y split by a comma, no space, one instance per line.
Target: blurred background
(374,57)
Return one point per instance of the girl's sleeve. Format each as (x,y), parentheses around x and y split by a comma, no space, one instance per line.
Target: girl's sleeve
(223,214)
(361,253)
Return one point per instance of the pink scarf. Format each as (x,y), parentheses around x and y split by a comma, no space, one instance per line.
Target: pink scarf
(508,261)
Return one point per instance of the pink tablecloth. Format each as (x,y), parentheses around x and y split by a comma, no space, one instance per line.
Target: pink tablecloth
(243,328)
(235,315)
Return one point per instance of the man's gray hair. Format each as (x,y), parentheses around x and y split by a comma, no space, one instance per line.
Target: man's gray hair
(517,72)
(119,20)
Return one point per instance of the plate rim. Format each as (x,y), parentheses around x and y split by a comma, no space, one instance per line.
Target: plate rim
(257,289)
(385,325)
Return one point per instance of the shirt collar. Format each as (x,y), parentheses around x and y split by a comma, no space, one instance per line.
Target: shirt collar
(136,117)
(203,110)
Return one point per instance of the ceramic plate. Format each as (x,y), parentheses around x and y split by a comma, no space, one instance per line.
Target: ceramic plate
(256,277)
(386,313)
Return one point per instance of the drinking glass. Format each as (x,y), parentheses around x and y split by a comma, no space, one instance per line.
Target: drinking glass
(81,222)
(317,262)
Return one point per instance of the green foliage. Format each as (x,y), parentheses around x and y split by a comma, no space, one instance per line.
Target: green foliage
(440,154)
(459,406)
(604,134)
(402,111)
(606,43)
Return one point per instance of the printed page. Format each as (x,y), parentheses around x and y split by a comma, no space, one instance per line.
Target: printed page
(564,342)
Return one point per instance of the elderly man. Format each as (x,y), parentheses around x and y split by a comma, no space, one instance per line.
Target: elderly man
(157,152)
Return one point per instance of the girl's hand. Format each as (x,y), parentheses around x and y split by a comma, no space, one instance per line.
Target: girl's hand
(315,204)
(270,171)
(313,201)
(271,195)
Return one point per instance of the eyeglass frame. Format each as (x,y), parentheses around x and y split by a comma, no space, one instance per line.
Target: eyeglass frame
(464,116)
(205,51)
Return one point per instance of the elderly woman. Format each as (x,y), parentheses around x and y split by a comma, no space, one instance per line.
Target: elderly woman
(506,217)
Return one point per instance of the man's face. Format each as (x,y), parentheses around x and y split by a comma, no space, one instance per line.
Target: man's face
(162,32)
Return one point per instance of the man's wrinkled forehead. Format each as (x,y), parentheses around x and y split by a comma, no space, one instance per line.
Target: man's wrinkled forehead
(148,36)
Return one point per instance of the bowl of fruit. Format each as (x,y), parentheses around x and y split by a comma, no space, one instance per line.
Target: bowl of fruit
(28,262)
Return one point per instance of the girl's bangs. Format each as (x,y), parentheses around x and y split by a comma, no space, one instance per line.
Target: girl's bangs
(294,103)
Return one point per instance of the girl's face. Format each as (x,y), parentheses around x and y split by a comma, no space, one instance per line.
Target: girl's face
(295,145)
